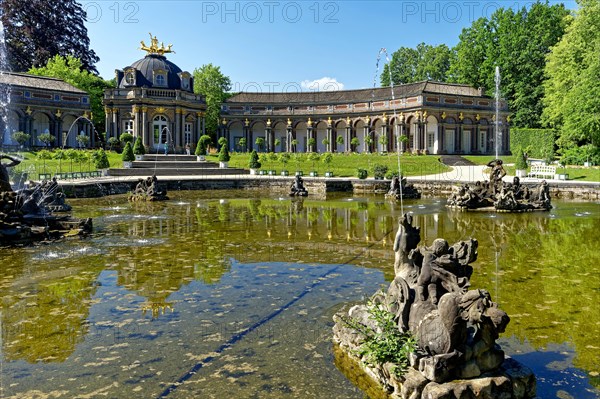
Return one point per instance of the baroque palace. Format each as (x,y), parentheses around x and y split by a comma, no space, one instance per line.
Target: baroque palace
(154,99)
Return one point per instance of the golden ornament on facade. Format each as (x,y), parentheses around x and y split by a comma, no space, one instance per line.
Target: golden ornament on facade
(58,113)
(160,110)
(309,123)
(477,117)
(154,48)
(348,120)
(144,109)
(368,119)
(289,122)
(200,114)
(461,116)
(443,115)
(424,114)
(269,122)
(385,118)
(247,122)
(224,121)
(401,117)
(329,121)
(107,110)
(134,109)
(29,111)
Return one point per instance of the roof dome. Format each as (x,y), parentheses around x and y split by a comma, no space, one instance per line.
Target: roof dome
(145,73)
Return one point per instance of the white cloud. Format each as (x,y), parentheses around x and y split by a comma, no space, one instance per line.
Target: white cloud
(323,84)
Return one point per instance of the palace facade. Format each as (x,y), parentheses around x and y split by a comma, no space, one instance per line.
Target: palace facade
(433,118)
(40,104)
(155,100)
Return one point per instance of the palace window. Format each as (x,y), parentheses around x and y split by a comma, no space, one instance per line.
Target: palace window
(185,83)
(430,140)
(130,78)
(128,127)
(187,133)
(160,80)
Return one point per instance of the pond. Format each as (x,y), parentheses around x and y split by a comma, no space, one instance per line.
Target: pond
(209,295)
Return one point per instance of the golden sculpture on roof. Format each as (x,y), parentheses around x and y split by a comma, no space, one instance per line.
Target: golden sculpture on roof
(154,48)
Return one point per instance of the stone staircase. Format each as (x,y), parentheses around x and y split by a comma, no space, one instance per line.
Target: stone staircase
(175,165)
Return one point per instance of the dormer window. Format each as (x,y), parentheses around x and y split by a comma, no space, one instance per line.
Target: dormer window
(130,78)
(185,83)
(160,79)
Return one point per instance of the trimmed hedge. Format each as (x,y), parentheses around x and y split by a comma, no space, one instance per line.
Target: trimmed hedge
(537,143)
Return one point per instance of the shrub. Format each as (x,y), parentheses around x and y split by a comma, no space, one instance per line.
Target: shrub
(260,143)
(126,138)
(538,143)
(385,343)
(391,174)
(138,147)
(224,152)
(355,142)
(20,137)
(82,140)
(127,155)
(46,138)
(284,158)
(203,142)
(327,158)
(379,171)
(311,144)
(254,162)
(579,155)
(101,159)
(520,161)
(113,141)
(361,173)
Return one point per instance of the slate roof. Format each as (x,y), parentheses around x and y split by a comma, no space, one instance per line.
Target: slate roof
(149,63)
(38,82)
(360,95)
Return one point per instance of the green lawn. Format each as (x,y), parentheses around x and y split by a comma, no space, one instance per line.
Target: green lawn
(345,165)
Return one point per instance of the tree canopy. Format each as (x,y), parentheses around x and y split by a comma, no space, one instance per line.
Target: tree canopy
(71,70)
(213,85)
(36,31)
(425,62)
(572,104)
(518,42)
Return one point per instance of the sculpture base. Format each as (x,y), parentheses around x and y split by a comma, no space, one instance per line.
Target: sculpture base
(511,381)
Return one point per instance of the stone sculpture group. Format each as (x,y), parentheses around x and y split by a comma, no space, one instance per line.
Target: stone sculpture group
(455,327)
(497,195)
(36,212)
(148,190)
(297,189)
(400,188)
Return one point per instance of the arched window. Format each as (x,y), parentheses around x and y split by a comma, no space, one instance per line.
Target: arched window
(160,80)
(160,129)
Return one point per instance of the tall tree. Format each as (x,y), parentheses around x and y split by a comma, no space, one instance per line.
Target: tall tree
(213,85)
(425,62)
(518,43)
(572,102)
(37,30)
(70,69)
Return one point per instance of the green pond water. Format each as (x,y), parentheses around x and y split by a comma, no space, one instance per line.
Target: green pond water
(212,296)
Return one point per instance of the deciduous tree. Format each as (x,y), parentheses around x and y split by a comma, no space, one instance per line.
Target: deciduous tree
(213,85)
(37,30)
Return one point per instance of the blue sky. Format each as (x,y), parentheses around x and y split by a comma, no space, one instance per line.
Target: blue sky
(279,45)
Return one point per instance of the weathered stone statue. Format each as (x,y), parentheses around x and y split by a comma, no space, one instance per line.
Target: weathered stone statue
(500,196)
(297,189)
(28,215)
(148,190)
(455,327)
(4,177)
(400,188)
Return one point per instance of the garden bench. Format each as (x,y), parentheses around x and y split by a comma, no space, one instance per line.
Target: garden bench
(45,176)
(542,171)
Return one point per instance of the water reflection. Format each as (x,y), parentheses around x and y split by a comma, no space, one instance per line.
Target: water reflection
(159,272)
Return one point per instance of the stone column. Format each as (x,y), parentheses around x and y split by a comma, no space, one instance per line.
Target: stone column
(107,123)
(144,131)
(309,135)
(116,120)
(329,136)
(269,137)
(365,138)
(348,137)
(384,133)
(289,137)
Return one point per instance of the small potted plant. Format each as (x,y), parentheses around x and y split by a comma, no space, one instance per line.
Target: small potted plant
(127,156)
(354,143)
(223,153)
(138,149)
(294,144)
(379,171)
(201,148)
(263,161)
(254,163)
(361,173)
(126,138)
(340,142)
(312,143)
(520,163)
(284,158)
(314,157)
(327,158)
(101,161)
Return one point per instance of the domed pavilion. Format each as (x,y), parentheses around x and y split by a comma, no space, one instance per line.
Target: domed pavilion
(154,100)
